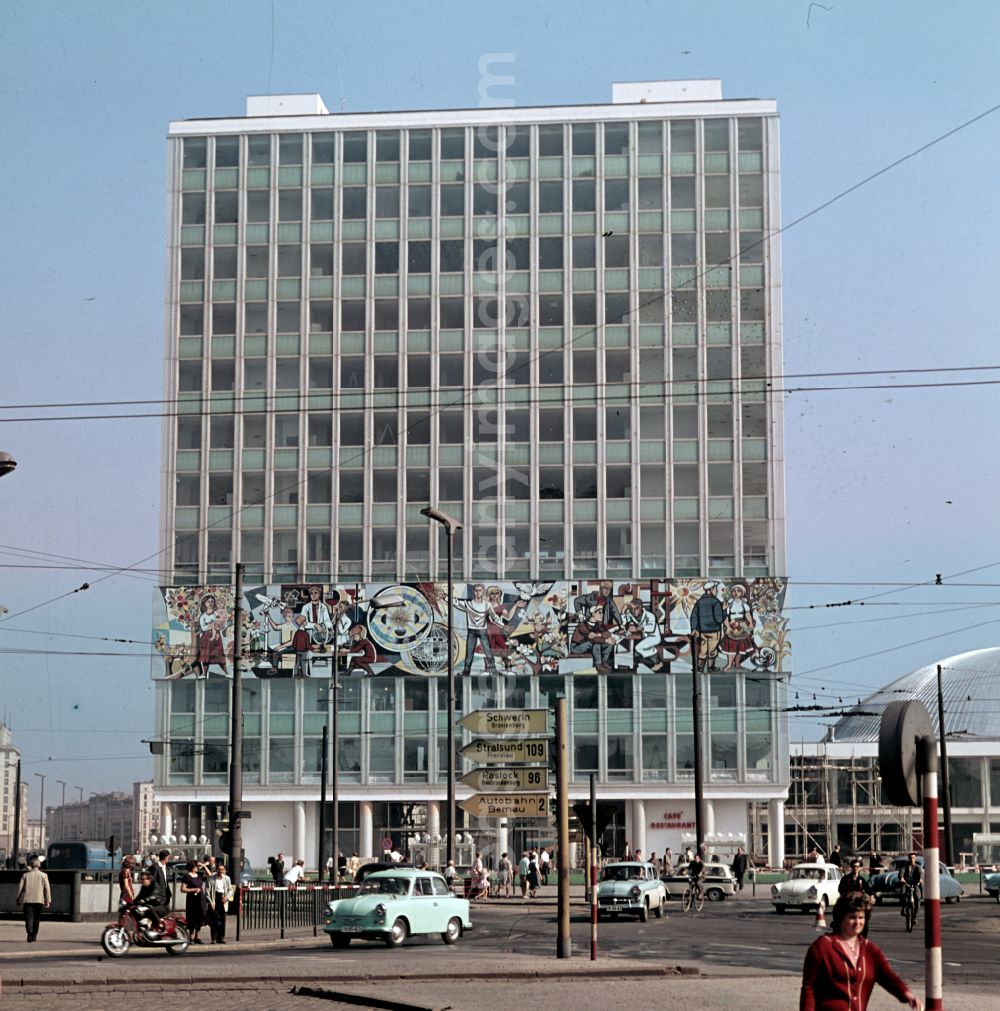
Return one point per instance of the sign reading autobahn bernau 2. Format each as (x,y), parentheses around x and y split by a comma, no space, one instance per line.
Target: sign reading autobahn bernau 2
(507,805)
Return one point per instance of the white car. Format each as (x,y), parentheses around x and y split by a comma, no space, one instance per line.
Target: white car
(809,886)
(717,884)
(630,888)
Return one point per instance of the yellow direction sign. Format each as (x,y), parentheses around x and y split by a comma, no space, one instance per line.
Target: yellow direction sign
(523,779)
(506,721)
(501,752)
(507,805)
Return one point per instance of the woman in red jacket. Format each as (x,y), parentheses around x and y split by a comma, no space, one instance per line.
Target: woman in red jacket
(842,967)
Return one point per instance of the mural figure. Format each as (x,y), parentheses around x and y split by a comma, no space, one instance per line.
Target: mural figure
(706,626)
(642,629)
(360,652)
(317,614)
(477,611)
(737,641)
(602,597)
(592,636)
(302,645)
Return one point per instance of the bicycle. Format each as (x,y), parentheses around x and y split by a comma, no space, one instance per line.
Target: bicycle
(693,895)
(909,903)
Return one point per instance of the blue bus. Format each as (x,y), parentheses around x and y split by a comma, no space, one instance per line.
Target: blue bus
(82,856)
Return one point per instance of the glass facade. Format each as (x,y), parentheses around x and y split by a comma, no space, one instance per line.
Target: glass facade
(559,333)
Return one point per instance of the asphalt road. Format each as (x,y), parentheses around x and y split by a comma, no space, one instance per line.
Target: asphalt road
(736,944)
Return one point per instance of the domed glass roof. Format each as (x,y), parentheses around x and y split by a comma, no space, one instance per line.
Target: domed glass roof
(970,685)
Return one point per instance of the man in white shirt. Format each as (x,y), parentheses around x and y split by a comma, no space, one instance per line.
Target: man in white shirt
(544,865)
(476,611)
(295,873)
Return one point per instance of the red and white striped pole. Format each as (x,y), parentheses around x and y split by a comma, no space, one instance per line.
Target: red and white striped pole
(928,767)
(593,903)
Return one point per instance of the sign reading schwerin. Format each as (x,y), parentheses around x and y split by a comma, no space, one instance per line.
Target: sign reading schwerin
(506,721)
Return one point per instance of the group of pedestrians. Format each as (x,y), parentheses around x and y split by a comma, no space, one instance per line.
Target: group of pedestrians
(207,894)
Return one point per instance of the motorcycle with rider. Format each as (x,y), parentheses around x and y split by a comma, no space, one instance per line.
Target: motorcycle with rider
(146,921)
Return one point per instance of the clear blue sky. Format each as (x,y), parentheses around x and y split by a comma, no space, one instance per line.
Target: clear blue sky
(882,484)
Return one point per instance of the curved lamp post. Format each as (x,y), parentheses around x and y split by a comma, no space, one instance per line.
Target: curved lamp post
(7,464)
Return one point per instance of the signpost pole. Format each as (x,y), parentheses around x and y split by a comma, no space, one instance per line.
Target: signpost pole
(592,869)
(699,786)
(563,944)
(322,804)
(927,766)
(450,847)
(236,740)
(335,771)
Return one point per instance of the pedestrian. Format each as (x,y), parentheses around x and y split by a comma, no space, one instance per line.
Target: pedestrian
(277,868)
(836,857)
(522,873)
(341,868)
(874,863)
(544,865)
(480,880)
(638,856)
(126,881)
(687,854)
(534,877)
(193,888)
(34,894)
(294,874)
(219,887)
(449,875)
(668,862)
(506,871)
(841,968)
(353,865)
(739,867)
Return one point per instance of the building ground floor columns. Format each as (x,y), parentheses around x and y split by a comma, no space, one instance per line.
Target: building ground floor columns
(411,824)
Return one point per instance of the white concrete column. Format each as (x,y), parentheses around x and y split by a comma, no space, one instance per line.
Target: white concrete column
(166,823)
(433,817)
(776,833)
(709,810)
(502,837)
(299,830)
(638,839)
(366,842)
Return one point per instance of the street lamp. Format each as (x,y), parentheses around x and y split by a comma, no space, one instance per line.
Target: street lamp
(62,813)
(80,819)
(450,525)
(7,464)
(41,812)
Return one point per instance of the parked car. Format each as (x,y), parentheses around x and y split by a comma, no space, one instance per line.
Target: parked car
(809,886)
(991,882)
(630,888)
(373,868)
(718,882)
(885,885)
(394,904)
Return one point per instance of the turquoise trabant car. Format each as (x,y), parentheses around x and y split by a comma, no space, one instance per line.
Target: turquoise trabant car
(630,888)
(393,904)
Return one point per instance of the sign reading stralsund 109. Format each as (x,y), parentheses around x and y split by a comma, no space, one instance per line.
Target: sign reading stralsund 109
(520,749)
(505,721)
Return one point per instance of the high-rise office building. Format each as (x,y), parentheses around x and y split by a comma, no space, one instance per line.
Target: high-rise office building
(559,325)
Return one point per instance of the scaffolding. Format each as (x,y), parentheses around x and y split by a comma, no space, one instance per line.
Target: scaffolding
(835,800)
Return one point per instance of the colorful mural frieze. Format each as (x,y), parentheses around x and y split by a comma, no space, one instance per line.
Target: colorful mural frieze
(498,628)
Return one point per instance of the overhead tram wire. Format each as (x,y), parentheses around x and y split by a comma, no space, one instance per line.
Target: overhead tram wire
(572,340)
(336,394)
(438,407)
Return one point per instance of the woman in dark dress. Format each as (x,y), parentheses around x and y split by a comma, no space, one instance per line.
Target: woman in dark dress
(192,886)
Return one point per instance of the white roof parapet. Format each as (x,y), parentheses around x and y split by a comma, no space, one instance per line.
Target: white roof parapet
(286,105)
(706,90)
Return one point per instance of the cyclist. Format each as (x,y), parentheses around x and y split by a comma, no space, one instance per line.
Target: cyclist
(910,877)
(696,872)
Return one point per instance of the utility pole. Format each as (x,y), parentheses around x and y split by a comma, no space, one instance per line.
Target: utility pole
(62,812)
(564,942)
(945,793)
(41,814)
(236,738)
(17,817)
(80,813)
(592,867)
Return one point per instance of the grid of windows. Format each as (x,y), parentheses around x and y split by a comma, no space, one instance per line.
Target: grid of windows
(393,730)
(559,333)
